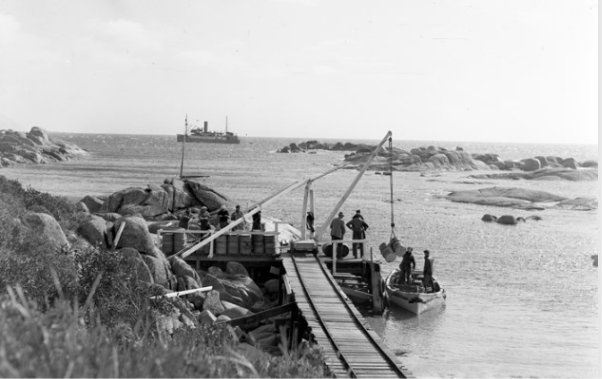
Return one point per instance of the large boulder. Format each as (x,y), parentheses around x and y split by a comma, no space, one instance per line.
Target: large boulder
(530,164)
(94,230)
(93,203)
(181,269)
(38,136)
(507,220)
(136,261)
(212,199)
(135,235)
(569,163)
(128,196)
(160,271)
(47,230)
(488,218)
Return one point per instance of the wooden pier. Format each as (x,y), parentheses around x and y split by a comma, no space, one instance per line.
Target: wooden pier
(351,347)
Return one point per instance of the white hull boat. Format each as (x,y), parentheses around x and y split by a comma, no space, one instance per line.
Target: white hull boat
(413,297)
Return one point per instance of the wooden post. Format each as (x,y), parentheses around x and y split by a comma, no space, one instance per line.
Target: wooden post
(334,258)
(118,236)
(312,207)
(375,280)
(304,211)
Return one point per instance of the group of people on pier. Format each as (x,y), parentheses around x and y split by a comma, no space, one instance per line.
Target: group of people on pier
(358,227)
(200,219)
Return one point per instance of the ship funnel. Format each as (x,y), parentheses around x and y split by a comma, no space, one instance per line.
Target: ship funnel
(205,125)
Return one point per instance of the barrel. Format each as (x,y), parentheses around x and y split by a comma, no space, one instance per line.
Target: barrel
(221,245)
(258,244)
(269,243)
(387,252)
(233,242)
(245,245)
(173,242)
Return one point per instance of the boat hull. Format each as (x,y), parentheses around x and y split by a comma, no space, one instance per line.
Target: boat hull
(208,139)
(412,301)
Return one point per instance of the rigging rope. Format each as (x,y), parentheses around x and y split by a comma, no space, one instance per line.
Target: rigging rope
(391,186)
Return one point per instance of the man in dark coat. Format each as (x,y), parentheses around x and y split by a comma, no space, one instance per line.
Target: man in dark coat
(408,263)
(427,279)
(337,227)
(359,227)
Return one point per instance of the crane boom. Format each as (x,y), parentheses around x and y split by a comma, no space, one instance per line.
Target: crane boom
(322,228)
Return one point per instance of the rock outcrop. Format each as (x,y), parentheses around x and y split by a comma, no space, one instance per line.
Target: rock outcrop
(306,146)
(427,158)
(520,198)
(34,147)
(155,202)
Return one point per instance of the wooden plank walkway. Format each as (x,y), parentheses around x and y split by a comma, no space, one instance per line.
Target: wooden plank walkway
(351,347)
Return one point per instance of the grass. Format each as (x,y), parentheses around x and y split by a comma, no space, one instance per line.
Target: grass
(84,314)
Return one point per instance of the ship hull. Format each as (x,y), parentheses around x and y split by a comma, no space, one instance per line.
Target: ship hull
(207,139)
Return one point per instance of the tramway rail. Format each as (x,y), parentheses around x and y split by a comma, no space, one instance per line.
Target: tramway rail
(356,350)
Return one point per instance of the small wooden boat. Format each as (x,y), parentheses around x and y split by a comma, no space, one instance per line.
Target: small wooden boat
(413,297)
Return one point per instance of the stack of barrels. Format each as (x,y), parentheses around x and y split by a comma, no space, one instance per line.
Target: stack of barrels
(173,241)
(247,244)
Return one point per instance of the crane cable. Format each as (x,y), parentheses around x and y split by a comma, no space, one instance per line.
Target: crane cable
(391,187)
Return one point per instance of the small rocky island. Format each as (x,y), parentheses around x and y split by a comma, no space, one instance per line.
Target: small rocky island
(35,146)
(426,158)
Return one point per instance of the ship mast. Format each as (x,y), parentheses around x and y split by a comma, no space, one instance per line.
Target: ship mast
(226,124)
(184,144)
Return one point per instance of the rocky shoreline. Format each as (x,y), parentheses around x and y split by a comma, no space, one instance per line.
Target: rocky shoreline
(35,147)
(427,158)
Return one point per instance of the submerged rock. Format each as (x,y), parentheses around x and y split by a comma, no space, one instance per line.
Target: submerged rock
(548,173)
(520,198)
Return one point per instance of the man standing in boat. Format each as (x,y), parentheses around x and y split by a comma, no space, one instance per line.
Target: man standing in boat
(359,227)
(408,263)
(427,279)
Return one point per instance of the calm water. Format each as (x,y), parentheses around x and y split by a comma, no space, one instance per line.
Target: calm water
(522,301)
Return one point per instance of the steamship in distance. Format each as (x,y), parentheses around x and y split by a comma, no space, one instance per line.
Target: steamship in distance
(205,135)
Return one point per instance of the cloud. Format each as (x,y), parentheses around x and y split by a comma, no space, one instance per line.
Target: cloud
(9,28)
(129,35)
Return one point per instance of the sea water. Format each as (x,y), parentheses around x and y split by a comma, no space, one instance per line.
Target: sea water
(522,301)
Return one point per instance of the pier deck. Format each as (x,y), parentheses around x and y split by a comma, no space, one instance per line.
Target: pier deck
(351,348)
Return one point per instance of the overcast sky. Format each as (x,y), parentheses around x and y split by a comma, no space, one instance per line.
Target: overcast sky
(459,70)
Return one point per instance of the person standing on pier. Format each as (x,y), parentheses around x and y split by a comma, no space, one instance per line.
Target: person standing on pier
(408,263)
(359,227)
(427,271)
(256,221)
(337,227)
(223,217)
(204,222)
(309,223)
(235,216)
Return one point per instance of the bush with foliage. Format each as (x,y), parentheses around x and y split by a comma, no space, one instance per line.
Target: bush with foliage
(85,314)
